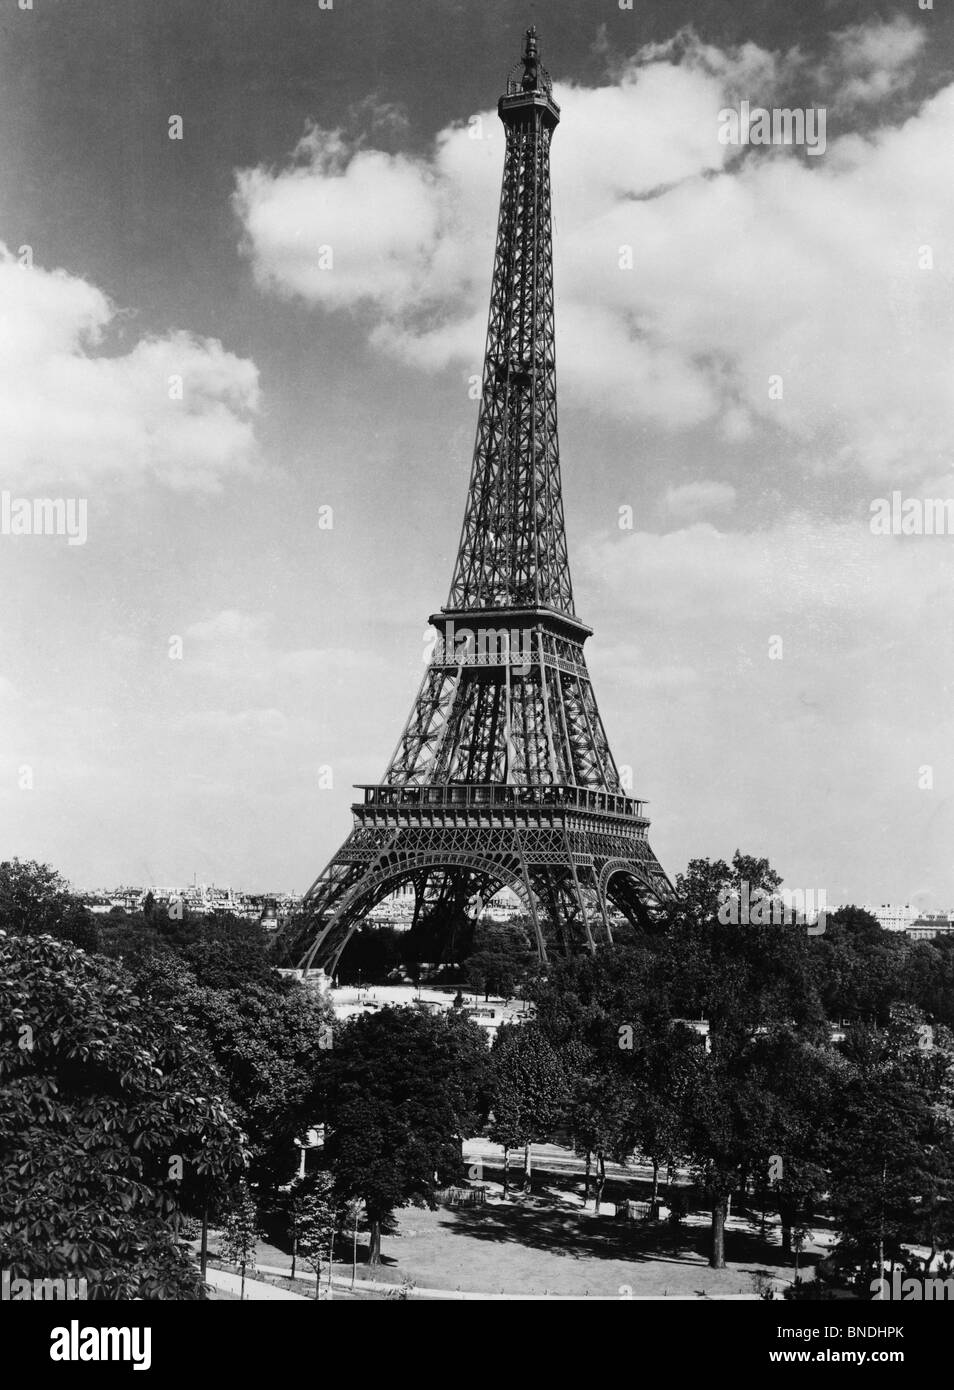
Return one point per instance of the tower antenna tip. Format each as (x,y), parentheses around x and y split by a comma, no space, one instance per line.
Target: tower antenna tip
(529,60)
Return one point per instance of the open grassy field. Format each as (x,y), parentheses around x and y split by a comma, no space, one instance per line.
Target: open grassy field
(546,1243)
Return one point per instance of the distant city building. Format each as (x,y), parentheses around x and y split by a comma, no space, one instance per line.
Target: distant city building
(269,909)
(397,909)
(929,925)
(895,918)
(916,924)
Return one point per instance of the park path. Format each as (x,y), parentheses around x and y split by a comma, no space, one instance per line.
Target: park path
(344,1282)
(255,1289)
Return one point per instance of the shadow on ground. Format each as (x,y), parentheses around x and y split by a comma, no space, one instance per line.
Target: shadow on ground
(541,1220)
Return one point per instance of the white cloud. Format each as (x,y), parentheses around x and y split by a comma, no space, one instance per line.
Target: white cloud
(743,268)
(320,661)
(800,566)
(238,646)
(246,723)
(810,750)
(692,500)
(75,414)
(334,197)
(230,626)
(874,60)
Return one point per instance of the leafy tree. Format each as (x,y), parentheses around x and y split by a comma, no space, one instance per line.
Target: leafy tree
(227,952)
(599,1111)
(34,900)
(105,1104)
(930,978)
(529,1091)
(269,1046)
(788,1106)
(739,976)
(862,968)
(665,1067)
(892,1161)
(316,1221)
(499,960)
(371,956)
(240,1235)
(402,1089)
(129,938)
(220,950)
(751,1098)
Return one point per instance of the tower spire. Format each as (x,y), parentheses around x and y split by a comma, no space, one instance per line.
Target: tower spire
(513,549)
(530,59)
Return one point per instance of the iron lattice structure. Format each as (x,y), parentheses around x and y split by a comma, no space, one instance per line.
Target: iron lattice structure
(503,775)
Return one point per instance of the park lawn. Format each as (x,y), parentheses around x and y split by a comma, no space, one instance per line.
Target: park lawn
(546,1243)
(530,1246)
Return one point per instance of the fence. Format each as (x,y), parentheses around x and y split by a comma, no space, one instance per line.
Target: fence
(462,1196)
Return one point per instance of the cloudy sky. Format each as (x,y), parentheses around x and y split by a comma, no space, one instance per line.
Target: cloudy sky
(312,259)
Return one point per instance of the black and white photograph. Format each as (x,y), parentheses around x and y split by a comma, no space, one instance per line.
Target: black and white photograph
(476,734)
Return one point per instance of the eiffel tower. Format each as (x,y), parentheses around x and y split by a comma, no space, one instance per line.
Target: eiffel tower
(503,775)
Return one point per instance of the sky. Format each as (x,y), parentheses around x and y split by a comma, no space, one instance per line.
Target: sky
(249,351)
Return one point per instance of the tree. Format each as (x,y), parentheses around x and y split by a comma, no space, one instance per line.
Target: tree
(221,951)
(371,956)
(863,967)
(930,978)
(786,1101)
(766,1098)
(34,900)
(269,1046)
(892,1159)
(499,959)
(599,1111)
(106,1104)
(665,1067)
(529,1091)
(402,1089)
(316,1221)
(240,1232)
(226,952)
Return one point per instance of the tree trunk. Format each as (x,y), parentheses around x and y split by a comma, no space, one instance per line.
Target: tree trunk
(374,1247)
(743,1189)
(317,1280)
(655,1179)
(294,1253)
(884,1179)
(728,1206)
(331,1260)
(586,1176)
(527,1168)
(786,1215)
(717,1258)
(506,1172)
(242,1289)
(204,1245)
(600,1181)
